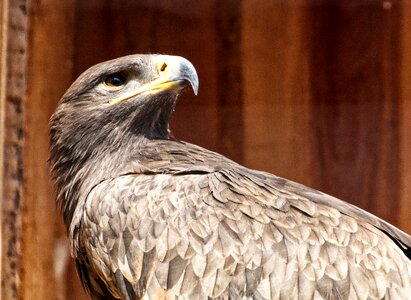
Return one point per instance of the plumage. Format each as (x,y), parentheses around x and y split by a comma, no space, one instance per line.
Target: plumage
(152,217)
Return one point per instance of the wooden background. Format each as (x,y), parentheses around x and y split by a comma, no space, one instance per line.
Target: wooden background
(315,91)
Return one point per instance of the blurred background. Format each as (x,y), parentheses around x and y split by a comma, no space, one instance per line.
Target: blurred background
(317,91)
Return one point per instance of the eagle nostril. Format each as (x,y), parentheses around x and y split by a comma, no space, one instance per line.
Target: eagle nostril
(163,67)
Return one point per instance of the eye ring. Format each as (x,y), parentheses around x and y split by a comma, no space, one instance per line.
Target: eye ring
(115,80)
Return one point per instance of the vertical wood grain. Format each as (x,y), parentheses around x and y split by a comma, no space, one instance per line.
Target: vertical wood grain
(12,201)
(45,248)
(276,88)
(4,11)
(230,79)
(355,109)
(405,117)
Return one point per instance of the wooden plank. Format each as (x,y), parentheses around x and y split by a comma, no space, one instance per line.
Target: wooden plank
(229,79)
(4,11)
(45,251)
(355,92)
(276,88)
(405,204)
(12,201)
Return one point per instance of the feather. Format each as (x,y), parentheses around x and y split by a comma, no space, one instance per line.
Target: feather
(176,267)
(359,286)
(187,282)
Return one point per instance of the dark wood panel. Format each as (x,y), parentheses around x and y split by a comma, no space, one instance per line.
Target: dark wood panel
(355,104)
(405,117)
(229,82)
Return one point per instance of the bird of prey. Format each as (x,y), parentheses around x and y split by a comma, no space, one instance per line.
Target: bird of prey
(152,217)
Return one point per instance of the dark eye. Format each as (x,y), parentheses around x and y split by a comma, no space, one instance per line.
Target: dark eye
(115,80)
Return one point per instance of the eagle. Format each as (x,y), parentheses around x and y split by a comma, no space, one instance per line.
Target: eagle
(152,217)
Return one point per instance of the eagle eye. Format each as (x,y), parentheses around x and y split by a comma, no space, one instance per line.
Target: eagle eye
(115,80)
